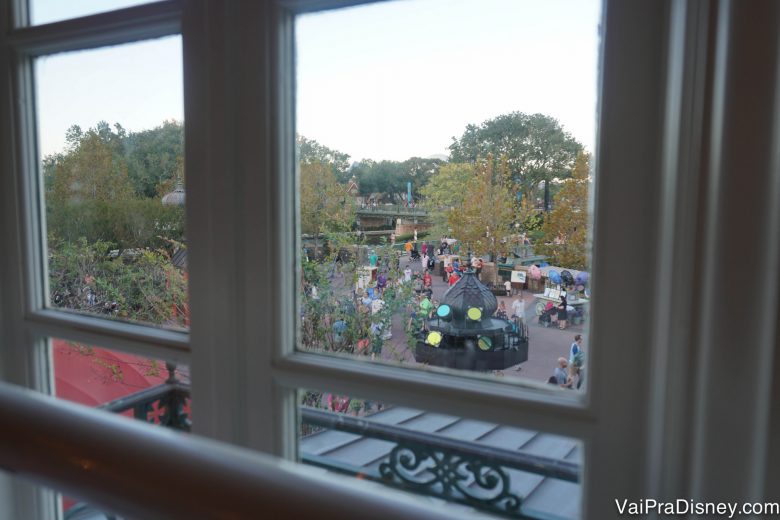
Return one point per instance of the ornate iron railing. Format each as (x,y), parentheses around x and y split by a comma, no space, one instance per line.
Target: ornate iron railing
(472,474)
(166,404)
(468,473)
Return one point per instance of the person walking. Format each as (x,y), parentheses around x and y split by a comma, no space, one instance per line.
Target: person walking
(408,247)
(424,249)
(576,354)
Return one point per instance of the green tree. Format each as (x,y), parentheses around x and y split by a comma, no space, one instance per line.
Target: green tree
(566,226)
(326,205)
(536,147)
(311,152)
(92,169)
(484,217)
(445,191)
(154,158)
(390,178)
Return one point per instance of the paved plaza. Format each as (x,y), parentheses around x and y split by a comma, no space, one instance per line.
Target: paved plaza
(546,344)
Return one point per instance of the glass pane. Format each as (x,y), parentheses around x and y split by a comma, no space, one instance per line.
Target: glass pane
(488,467)
(137,387)
(111,142)
(444,184)
(47,11)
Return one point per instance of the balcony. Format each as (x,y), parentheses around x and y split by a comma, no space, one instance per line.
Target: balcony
(510,472)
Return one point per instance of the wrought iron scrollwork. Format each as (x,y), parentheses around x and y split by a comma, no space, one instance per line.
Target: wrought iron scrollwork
(451,476)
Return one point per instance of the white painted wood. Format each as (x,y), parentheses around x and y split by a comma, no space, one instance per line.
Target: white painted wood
(111,28)
(20,499)
(525,406)
(673,366)
(193,477)
(171,345)
(625,233)
(650,176)
(240,295)
(737,335)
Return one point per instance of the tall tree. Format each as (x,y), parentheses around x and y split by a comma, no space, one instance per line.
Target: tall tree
(566,226)
(445,191)
(486,214)
(536,147)
(310,151)
(154,158)
(325,203)
(90,193)
(390,178)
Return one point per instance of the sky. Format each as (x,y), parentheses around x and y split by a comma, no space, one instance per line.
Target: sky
(386,81)
(400,79)
(137,85)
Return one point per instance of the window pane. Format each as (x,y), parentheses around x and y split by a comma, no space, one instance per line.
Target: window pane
(432,251)
(111,143)
(47,11)
(134,386)
(488,467)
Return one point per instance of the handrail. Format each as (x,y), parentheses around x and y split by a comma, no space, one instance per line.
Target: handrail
(140,471)
(544,466)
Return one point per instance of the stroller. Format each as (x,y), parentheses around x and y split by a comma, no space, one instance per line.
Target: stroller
(545,319)
(415,255)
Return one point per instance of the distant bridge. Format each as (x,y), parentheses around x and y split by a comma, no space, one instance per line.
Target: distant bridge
(392,210)
(401,219)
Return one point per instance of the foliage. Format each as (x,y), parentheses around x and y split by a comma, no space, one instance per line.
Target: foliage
(536,147)
(149,159)
(145,285)
(154,159)
(484,217)
(566,226)
(92,169)
(336,300)
(310,152)
(325,203)
(110,239)
(92,194)
(127,223)
(445,191)
(390,178)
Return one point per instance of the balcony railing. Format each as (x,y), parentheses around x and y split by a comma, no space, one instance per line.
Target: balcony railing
(469,473)
(164,404)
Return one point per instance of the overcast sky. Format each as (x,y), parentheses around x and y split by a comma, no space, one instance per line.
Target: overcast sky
(385,81)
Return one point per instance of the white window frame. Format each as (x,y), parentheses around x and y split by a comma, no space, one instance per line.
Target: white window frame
(664,161)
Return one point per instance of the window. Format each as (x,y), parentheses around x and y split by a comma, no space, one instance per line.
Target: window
(395,211)
(679,84)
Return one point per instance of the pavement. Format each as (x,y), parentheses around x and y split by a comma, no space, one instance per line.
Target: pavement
(546,344)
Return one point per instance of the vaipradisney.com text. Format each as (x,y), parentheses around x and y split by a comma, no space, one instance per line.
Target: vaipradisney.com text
(683,506)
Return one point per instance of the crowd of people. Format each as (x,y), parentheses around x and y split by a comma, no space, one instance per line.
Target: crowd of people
(405,288)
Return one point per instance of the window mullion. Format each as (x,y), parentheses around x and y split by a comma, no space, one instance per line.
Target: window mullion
(111,28)
(169,344)
(737,299)
(231,106)
(626,191)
